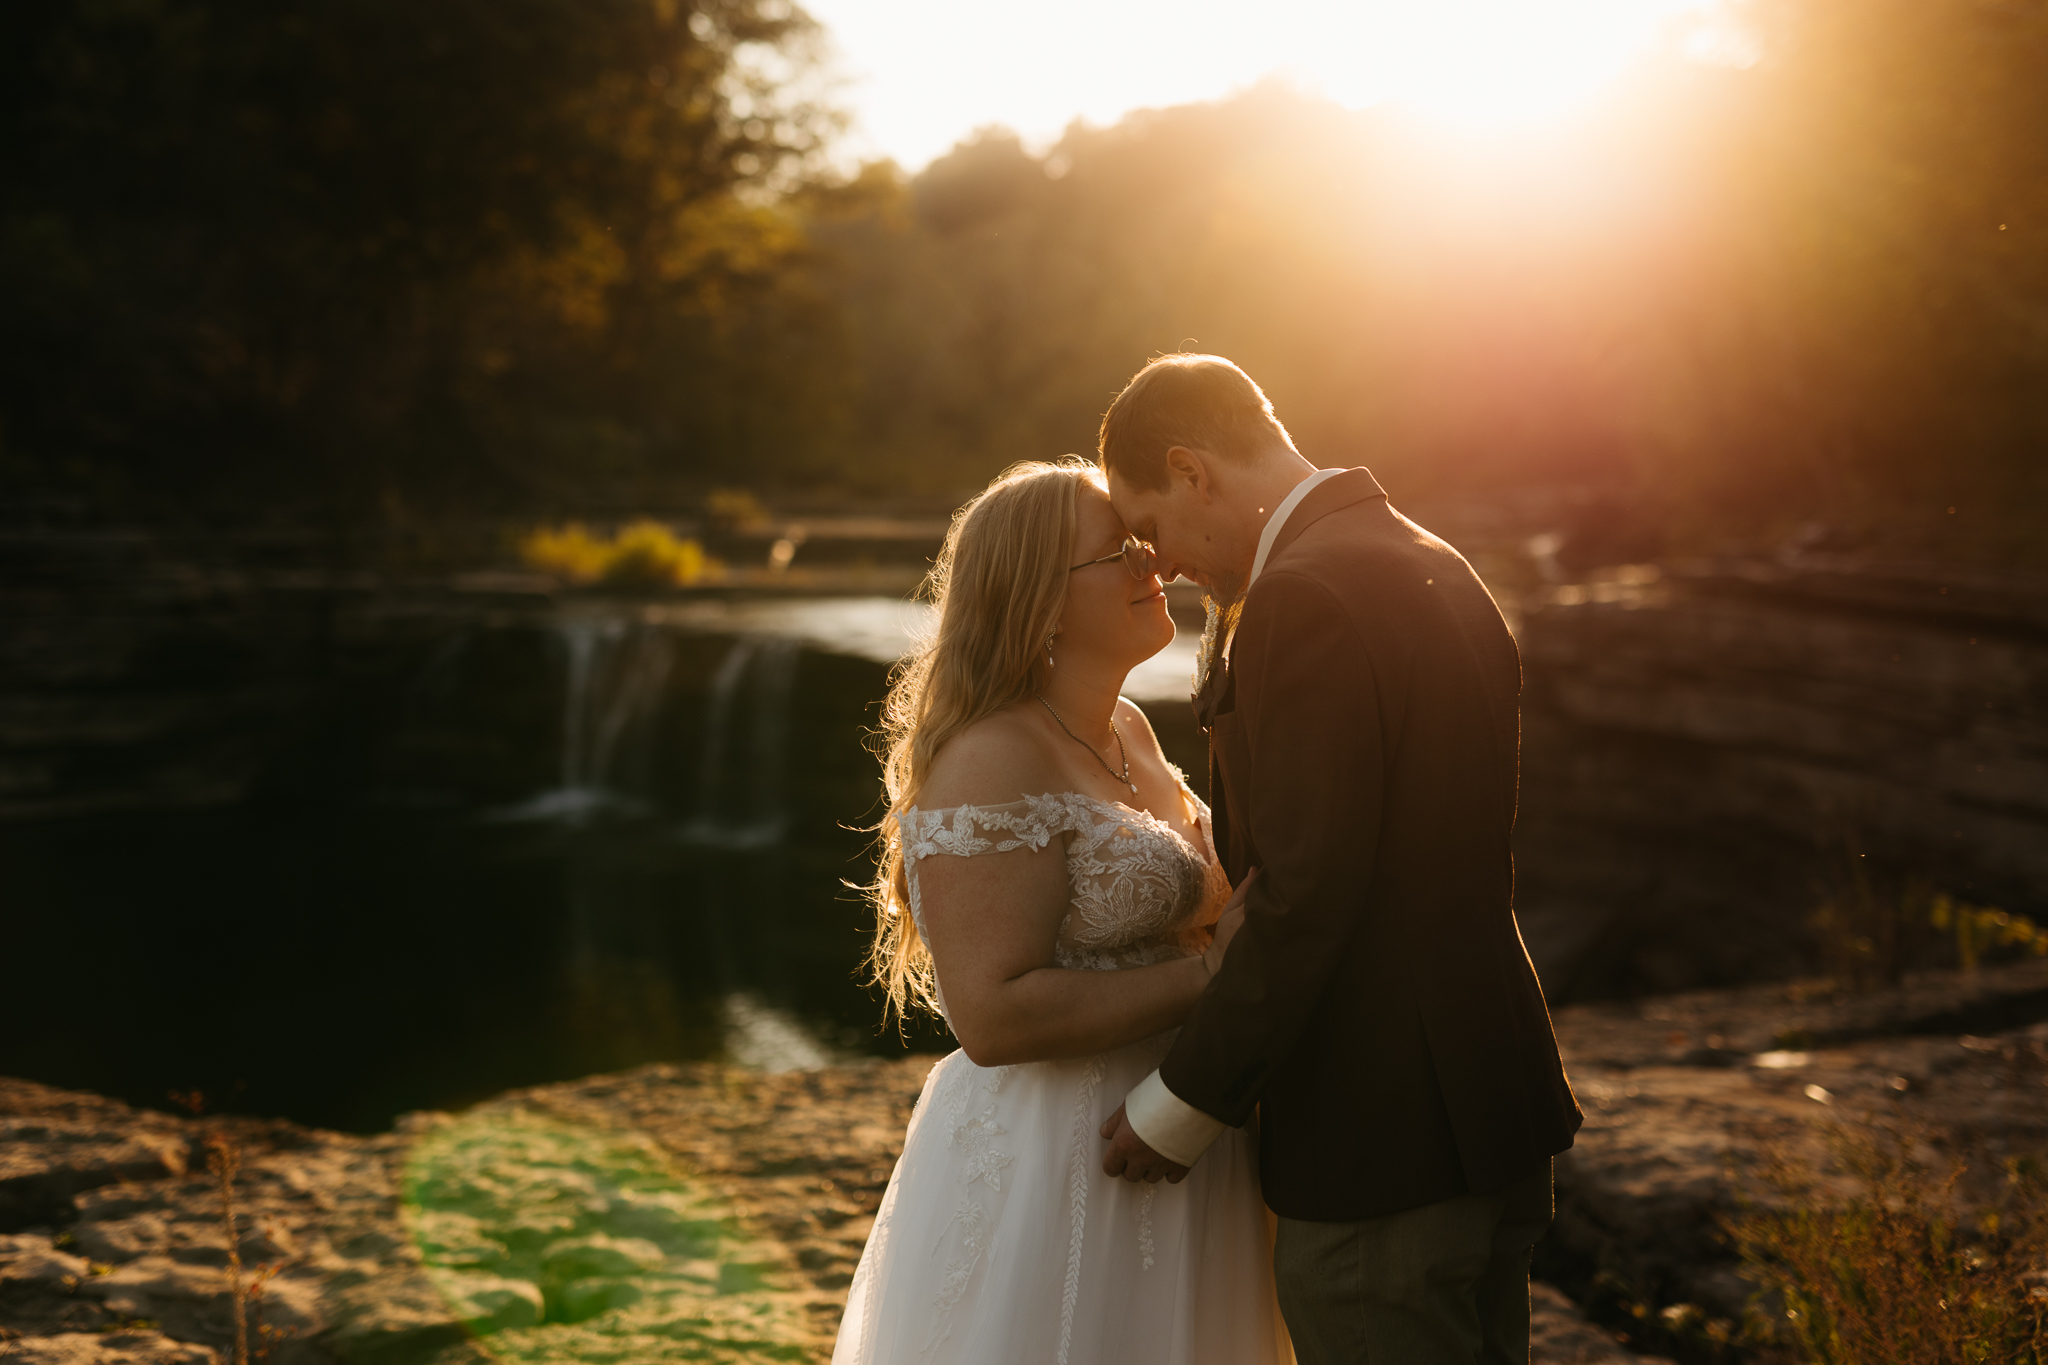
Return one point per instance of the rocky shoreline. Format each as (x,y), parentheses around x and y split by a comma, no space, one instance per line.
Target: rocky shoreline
(705,1212)
(1710,748)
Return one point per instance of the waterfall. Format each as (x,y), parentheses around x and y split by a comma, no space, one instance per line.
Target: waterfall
(739,783)
(579,640)
(635,889)
(718,726)
(641,672)
(615,672)
(774,677)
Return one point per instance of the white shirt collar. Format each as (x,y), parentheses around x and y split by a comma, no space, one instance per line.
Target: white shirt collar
(1279,518)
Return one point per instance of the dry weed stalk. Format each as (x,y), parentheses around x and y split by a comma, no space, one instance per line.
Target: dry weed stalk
(1895,1268)
(224,1159)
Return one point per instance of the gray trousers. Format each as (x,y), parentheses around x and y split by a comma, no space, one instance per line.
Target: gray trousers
(1445,1284)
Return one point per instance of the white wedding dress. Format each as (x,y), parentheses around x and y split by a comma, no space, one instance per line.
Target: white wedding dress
(1000,1239)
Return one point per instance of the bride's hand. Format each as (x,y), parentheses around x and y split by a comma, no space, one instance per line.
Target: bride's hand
(1226,927)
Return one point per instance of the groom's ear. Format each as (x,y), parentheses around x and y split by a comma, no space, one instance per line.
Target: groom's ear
(1187,471)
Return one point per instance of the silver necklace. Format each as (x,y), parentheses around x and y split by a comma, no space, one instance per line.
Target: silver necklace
(1123,777)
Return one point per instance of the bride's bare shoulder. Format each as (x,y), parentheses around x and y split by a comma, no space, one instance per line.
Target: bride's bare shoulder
(1134,721)
(996,760)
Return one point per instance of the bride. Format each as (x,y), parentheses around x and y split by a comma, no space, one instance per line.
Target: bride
(1048,884)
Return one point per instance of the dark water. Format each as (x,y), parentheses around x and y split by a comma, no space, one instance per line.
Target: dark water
(527,851)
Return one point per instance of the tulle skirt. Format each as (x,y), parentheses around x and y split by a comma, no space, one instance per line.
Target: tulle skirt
(1000,1239)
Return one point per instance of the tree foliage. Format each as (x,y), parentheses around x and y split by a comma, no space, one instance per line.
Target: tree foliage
(584,258)
(352,250)
(1740,302)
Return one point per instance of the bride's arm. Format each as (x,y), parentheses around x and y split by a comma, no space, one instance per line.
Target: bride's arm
(992,920)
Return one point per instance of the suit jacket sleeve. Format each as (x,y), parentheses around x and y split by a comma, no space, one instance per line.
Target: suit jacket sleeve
(1309,718)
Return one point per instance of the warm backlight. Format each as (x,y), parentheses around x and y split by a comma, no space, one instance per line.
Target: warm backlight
(922,74)
(1487,64)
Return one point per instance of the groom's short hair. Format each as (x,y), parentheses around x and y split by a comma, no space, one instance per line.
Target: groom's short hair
(1200,401)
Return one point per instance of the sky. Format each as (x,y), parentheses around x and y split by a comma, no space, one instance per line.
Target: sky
(919,75)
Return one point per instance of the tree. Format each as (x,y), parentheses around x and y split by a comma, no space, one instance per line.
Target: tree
(306,251)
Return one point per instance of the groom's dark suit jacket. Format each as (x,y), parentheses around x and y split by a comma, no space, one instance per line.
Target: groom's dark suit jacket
(1378,1006)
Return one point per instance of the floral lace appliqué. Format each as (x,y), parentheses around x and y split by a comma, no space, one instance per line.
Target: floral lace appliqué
(975,1136)
(1140,891)
(1145,1247)
(973,1222)
(1078,1161)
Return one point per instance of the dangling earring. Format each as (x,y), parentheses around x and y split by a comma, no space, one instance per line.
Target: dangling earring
(1048,650)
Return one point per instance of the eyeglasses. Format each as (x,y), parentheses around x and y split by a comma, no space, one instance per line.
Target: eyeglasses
(1138,557)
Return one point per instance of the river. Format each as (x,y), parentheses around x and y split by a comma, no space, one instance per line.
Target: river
(532,848)
(335,850)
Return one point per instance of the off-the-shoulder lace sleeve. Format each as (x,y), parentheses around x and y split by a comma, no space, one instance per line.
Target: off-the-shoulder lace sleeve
(965,831)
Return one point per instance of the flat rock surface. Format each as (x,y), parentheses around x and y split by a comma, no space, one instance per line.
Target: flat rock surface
(1682,1094)
(673,1212)
(712,1213)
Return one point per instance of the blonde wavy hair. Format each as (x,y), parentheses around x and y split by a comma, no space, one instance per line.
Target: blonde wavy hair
(998,584)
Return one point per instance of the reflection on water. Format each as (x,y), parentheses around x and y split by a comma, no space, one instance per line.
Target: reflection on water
(760,1036)
(884,628)
(879,629)
(528,850)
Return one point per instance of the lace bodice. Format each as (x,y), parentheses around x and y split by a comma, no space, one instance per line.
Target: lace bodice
(1141,892)
(1000,1236)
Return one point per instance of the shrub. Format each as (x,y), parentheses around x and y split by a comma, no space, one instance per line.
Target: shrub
(1979,928)
(643,554)
(1870,933)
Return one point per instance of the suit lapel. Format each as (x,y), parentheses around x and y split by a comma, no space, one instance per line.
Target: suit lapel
(1353,485)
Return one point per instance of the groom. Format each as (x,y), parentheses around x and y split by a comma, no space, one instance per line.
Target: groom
(1378,1007)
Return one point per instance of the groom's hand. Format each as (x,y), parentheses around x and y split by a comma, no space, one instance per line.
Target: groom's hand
(1129,1157)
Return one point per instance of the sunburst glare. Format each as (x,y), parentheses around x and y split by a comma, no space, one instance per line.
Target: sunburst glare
(1485,64)
(921,74)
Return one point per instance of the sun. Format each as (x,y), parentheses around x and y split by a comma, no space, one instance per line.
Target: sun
(1485,65)
(923,74)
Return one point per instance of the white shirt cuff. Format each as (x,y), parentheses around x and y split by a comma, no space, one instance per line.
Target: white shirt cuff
(1169,1124)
